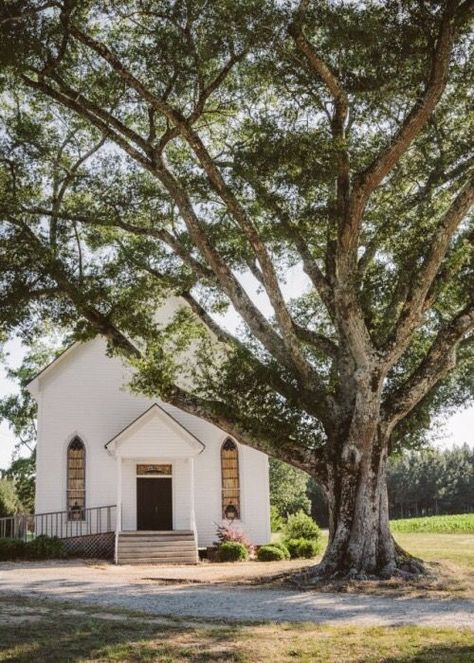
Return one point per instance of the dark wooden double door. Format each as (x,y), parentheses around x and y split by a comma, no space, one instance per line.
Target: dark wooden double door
(154,504)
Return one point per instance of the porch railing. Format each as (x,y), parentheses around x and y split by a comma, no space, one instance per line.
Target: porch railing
(63,524)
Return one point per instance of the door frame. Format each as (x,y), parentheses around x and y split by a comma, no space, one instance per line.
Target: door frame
(155,476)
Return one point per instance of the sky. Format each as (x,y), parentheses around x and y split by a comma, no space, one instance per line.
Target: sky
(456,430)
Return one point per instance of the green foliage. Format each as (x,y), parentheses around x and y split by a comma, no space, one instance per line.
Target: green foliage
(198,151)
(9,501)
(45,547)
(11,549)
(276,521)
(271,553)
(42,547)
(281,546)
(22,473)
(431,481)
(303,548)
(288,488)
(301,526)
(232,551)
(454,524)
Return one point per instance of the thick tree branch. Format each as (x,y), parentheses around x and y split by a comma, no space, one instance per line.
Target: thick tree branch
(440,359)
(236,210)
(411,127)
(422,281)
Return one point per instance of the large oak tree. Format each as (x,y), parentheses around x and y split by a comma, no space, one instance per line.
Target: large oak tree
(209,149)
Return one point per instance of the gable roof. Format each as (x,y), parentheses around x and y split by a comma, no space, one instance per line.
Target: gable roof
(157,410)
(33,384)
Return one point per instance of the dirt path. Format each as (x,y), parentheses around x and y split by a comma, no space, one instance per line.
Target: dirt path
(137,588)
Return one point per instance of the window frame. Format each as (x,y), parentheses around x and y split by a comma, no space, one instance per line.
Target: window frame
(236,501)
(76,439)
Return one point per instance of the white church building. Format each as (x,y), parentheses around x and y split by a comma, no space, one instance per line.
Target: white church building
(154,479)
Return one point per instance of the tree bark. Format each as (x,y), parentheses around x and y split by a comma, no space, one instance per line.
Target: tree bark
(360,543)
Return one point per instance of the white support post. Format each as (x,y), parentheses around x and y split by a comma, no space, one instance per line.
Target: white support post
(192,507)
(118,521)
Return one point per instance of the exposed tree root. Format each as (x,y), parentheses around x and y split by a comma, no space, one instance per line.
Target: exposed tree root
(404,566)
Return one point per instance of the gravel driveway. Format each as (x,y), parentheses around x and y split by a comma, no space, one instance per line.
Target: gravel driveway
(134,588)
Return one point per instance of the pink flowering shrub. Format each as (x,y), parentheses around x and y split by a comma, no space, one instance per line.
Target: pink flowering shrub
(228,532)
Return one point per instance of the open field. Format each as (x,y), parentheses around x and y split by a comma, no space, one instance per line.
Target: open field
(456,524)
(450,558)
(48,631)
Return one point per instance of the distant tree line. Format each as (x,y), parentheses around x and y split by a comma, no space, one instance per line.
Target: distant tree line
(420,483)
(429,482)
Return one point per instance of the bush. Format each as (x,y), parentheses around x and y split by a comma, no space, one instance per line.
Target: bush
(283,548)
(270,553)
(305,548)
(230,533)
(276,521)
(45,547)
(9,500)
(232,551)
(292,546)
(11,549)
(301,526)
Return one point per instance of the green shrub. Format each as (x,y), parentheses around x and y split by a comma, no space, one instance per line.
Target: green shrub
(45,547)
(270,553)
(232,551)
(308,548)
(283,548)
(293,547)
(305,548)
(276,521)
(11,549)
(301,526)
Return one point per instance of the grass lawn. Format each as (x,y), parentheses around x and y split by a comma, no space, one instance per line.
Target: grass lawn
(456,548)
(32,630)
(446,542)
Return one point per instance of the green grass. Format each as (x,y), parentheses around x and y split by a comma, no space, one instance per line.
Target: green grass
(456,524)
(56,636)
(456,548)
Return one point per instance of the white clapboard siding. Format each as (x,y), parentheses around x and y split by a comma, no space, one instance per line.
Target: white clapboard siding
(85,394)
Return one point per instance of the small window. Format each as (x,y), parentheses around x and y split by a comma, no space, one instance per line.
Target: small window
(154,470)
(76,480)
(230,480)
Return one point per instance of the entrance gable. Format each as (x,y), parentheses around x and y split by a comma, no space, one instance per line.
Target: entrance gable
(155,434)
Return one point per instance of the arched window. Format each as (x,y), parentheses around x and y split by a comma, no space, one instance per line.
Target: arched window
(230,480)
(76,480)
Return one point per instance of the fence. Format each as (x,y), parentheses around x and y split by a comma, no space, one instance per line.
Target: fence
(63,524)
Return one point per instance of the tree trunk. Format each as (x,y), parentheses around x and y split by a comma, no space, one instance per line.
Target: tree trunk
(360,543)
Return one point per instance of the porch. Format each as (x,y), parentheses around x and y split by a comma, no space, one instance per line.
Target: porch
(95,533)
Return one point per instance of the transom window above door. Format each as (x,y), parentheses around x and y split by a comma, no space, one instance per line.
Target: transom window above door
(154,470)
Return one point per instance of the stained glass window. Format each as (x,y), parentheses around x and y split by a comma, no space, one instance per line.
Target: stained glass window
(230,480)
(76,480)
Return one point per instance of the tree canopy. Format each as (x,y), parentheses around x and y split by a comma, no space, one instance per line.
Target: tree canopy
(206,149)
